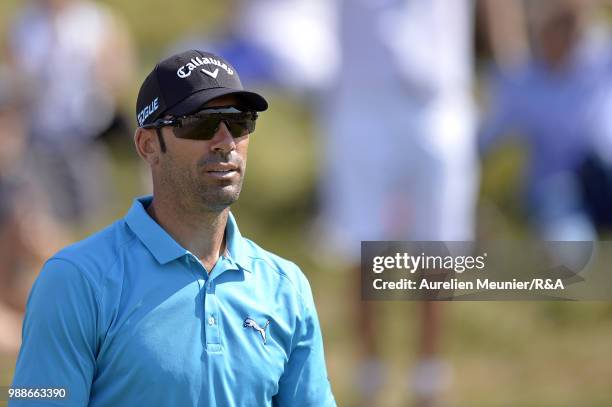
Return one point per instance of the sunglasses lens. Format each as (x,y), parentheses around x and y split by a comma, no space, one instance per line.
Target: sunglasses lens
(197,128)
(204,127)
(240,128)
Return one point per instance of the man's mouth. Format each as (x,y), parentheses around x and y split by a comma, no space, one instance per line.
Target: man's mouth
(221,170)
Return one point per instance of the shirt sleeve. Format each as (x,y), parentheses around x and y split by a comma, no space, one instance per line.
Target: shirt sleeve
(58,348)
(305,381)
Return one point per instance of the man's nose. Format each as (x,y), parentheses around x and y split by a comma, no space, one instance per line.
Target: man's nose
(223,141)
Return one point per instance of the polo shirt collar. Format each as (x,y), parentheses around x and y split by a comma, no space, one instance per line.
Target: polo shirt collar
(163,246)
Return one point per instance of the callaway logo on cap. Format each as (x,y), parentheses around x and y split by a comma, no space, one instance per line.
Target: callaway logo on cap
(182,83)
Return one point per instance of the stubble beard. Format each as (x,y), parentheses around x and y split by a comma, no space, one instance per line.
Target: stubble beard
(218,196)
(189,190)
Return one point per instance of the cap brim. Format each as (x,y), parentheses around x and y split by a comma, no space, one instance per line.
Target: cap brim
(248,100)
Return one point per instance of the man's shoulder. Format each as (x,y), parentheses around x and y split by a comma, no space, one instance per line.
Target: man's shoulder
(99,251)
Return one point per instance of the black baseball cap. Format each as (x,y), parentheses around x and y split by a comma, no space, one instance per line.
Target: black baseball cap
(181,84)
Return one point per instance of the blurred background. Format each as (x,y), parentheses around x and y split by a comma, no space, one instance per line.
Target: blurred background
(389,119)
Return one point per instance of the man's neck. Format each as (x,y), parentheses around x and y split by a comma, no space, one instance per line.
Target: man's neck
(202,233)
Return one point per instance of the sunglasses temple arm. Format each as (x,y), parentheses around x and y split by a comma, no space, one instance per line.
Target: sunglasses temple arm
(162,143)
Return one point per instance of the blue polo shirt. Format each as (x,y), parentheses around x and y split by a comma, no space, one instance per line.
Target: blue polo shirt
(128,317)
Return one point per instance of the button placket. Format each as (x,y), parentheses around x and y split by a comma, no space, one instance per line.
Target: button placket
(209,304)
(211,310)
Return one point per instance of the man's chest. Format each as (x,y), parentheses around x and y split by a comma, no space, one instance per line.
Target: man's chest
(198,336)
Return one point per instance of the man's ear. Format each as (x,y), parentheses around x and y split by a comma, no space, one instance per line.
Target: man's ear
(147,145)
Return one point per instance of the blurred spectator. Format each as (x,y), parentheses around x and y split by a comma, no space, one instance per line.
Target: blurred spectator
(11,147)
(399,157)
(73,59)
(555,103)
(27,234)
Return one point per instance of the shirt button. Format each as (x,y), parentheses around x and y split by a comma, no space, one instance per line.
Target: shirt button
(211,320)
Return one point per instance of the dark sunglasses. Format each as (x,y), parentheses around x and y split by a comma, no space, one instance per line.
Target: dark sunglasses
(204,124)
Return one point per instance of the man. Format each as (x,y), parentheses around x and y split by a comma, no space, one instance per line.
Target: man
(171,306)
(555,102)
(71,96)
(402,109)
